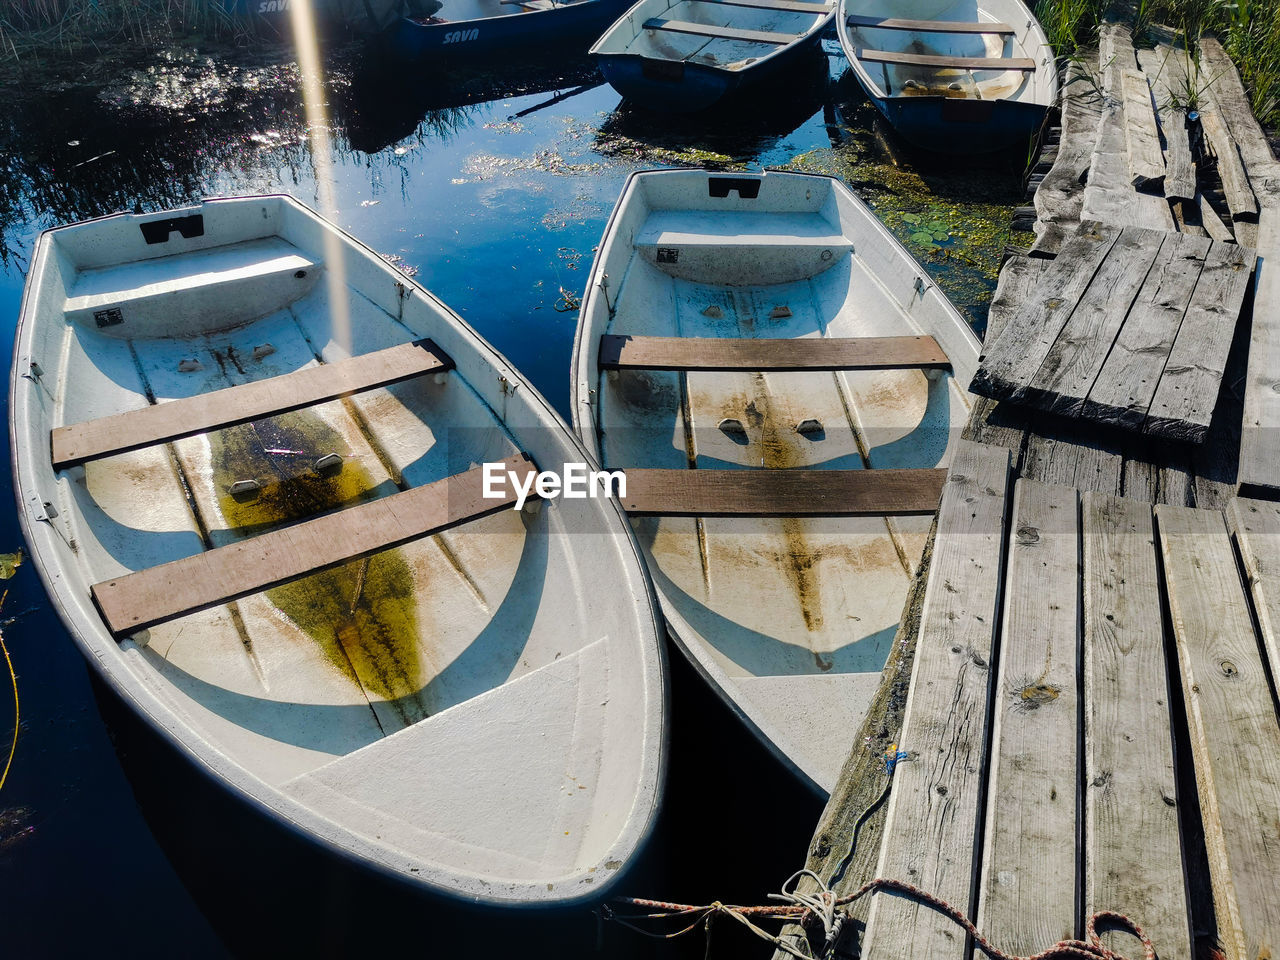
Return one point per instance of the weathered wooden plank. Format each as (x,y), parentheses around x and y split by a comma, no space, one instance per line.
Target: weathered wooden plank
(618,351)
(139,600)
(1166,69)
(928,26)
(1060,196)
(1260,431)
(932,821)
(1213,225)
(162,422)
(1024,64)
(1027,892)
(1185,398)
(1256,527)
(1125,385)
(1235,179)
(1146,161)
(1076,355)
(1009,361)
(1108,195)
(1132,856)
(781,493)
(1235,736)
(720,33)
(1227,93)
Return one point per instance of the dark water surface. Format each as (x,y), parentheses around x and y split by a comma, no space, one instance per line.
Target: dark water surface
(494,193)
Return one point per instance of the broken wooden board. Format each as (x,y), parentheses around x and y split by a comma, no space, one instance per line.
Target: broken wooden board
(1146,160)
(1158,321)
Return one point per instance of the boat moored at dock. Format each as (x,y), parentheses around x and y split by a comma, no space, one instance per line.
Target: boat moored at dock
(780,382)
(249,460)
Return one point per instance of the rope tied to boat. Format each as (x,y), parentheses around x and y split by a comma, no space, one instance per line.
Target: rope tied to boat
(820,915)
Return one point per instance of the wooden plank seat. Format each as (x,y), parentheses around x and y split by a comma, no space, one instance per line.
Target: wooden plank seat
(162,422)
(618,352)
(928,26)
(782,493)
(139,600)
(895,58)
(720,33)
(792,6)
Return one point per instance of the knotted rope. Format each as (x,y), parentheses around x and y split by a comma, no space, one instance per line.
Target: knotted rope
(818,913)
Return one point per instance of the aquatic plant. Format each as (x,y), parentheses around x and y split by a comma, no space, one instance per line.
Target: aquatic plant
(1249,30)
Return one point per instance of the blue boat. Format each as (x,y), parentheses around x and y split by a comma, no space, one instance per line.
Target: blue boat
(471,29)
(953,76)
(687,55)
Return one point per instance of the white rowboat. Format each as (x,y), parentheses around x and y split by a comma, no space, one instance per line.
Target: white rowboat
(298,580)
(781,382)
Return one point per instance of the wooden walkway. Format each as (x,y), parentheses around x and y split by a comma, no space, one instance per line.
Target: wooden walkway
(1174,605)
(1128,327)
(1042,694)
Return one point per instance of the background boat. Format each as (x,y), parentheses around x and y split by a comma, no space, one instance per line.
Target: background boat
(686,55)
(467,30)
(954,76)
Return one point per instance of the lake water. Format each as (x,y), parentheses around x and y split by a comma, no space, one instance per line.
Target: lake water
(494,194)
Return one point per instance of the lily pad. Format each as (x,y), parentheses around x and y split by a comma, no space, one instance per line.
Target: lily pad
(9,563)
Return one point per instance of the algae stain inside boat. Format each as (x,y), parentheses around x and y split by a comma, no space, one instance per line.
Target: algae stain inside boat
(363,614)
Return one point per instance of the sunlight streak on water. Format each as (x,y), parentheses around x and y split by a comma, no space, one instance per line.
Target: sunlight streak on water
(314,106)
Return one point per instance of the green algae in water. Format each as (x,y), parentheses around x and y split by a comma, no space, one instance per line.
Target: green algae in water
(363,614)
(959,238)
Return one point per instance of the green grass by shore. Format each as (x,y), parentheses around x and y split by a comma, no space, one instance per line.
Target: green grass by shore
(1248,29)
(33,28)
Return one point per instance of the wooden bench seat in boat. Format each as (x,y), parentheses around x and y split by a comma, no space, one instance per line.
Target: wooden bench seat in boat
(791,6)
(720,33)
(162,422)
(147,597)
(618,352)
(782,493)
(928,26)
(894,58)
(264,270)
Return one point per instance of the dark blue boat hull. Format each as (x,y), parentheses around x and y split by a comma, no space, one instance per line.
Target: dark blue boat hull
(679,87)
(954,125)
(473,39)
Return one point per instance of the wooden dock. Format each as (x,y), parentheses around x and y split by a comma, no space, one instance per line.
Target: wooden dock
(1083,679)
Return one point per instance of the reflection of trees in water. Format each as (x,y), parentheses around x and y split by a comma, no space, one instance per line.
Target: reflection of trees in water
(186,125)
(165,134)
